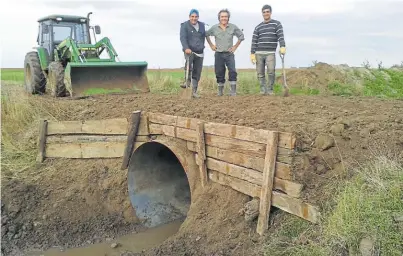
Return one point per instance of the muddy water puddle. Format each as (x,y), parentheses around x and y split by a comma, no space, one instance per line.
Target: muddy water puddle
(131,242)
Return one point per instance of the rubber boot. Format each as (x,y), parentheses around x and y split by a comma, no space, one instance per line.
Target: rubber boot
(263,88)
(270,90)
(220,89)
(233,88)
(194,89)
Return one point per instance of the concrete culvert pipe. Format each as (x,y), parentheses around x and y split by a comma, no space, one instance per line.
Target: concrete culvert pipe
(158,182)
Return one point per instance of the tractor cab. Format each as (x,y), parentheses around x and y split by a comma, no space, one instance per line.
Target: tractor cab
(54,29)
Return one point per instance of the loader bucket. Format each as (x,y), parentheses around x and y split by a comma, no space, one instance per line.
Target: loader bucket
(105,77)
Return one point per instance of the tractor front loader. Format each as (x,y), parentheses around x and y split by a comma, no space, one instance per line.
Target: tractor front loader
(66,63)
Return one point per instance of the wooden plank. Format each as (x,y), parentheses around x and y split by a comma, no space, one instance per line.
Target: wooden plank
(131,138)
(282,201)
(160,118)
(246,147)
(242,186)
(283,171)
(167,130)
(65,127)
(290,188)
(59,139)
(283,155)
(286,139)
(201,152)
(188,123)
(117,126)
(86,150)
(107,126)
(143,127)
(43,124)
(267,184)
(186,134)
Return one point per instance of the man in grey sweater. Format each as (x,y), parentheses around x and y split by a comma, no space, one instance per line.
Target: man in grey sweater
(192,37)
(266,36)
(224,33)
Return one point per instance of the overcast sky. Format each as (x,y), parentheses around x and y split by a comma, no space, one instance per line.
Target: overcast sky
(336,32)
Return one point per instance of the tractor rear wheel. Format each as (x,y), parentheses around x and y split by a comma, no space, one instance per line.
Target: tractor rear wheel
(34,78)
(56,79)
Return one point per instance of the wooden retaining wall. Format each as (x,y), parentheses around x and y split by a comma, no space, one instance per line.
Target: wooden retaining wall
(255,162)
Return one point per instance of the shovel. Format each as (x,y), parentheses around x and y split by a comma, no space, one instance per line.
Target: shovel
(186,93)
(286,90)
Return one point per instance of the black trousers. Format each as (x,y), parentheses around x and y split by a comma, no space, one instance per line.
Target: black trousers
(195,68)
(223,60)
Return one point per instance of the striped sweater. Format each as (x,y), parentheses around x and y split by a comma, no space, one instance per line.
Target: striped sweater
(266,36)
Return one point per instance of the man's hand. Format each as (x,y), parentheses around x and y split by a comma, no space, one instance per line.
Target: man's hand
(232,49)
(282,50)
(213,47)
(188,51)
(253,58)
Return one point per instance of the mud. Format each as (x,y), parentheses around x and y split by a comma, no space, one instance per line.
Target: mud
(73,203)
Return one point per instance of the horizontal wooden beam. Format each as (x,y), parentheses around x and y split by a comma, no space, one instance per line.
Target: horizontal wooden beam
(283,171)
(116,126)
(290,188)
(282,201)
(236,145)
(286,139)
(60,139)
(86,150)
(283,155)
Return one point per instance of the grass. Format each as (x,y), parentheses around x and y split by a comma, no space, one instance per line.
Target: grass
(385,83)
(364,207)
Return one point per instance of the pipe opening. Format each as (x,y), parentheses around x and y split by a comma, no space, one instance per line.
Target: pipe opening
(158,186)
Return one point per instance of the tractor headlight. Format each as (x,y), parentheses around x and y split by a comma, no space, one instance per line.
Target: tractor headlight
(59,19)
(82,20)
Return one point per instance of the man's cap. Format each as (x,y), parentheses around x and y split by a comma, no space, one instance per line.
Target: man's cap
(194,11)
(265,7)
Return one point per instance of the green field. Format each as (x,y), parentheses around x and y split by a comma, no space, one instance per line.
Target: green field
(167,81)
(386,83)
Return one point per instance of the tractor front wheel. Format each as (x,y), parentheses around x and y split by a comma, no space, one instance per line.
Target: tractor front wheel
(56,79)
(34,79)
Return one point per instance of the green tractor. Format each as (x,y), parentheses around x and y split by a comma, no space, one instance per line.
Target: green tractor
(67,63)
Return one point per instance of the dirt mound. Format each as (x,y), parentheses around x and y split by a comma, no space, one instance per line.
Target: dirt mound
(66,204)
(74,202)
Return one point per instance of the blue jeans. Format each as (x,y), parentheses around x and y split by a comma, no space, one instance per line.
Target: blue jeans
(263,61)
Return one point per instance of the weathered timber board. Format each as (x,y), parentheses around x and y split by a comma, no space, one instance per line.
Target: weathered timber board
(290,188)
(135,119)
(86,150)
(246,147)
(267,184)
(283,171)
(279,200)
(283,155)
(60,139)
(286,140)
(117,126)
(43,126)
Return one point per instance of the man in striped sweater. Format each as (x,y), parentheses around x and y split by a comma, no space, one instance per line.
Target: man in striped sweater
(264,45)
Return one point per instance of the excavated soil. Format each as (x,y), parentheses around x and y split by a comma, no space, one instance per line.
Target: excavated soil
(75,202)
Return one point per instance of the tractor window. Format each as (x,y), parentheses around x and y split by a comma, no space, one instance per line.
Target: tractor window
(60,33)
(81,34)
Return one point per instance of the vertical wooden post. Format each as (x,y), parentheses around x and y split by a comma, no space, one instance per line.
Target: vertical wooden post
(201,153)
(131,138)
(43,130)
(267,184)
